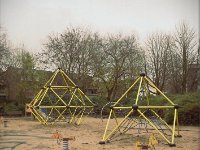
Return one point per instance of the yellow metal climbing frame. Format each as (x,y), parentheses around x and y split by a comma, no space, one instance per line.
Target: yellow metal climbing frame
(60,99)
(141,86)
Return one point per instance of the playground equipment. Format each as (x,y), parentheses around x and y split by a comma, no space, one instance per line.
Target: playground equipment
(60,99)
(151,143)
(66,144)
(125,113)
(59,137)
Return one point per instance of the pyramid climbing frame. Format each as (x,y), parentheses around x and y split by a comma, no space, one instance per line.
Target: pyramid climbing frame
(141,108)
(60,99)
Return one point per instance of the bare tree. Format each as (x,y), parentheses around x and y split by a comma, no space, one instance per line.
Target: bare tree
(198,53)
(71,50)
(158,47)
(111,62)
(108,59)
(185,48)
(62,49)
(175,80)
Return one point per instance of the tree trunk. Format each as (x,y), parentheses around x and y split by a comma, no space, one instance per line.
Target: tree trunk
(184,81)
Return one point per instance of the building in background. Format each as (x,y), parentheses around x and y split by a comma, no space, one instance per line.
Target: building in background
(19,87)
(193,83)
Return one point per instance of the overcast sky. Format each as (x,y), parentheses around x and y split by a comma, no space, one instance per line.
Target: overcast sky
(29,22)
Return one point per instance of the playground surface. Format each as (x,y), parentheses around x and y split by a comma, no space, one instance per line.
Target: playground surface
(26,134)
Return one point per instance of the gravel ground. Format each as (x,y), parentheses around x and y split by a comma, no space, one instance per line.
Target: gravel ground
(26,134)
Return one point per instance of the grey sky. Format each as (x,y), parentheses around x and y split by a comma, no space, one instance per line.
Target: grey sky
(29,22)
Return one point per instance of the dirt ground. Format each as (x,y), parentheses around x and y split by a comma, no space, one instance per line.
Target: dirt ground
(26,134)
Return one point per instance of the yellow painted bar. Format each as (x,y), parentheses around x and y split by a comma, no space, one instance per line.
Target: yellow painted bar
(86,96)
(75,86)
(80,106)
(52,106)
(127,91)
(58,96)
(36,116)
(77,96)
(45,91)
(72,118)
(118,126)
(146,91)
(132,123)
(79,120)
(163,121)
(36,98)
(70,112)
(58,111)
(104,135)
(53,77)
(159,90)
(61,87)
(43,120)
(50,112)
(155,107)
(68,78)
(60,115)
(64,78)
(138,93)
(72,95)
(121,107)
(154,126)
(49,82)
(177,123)
(87,115)
(116,120)
(74,91)
(144,107)
(76,116)
(81,96)
(174,126)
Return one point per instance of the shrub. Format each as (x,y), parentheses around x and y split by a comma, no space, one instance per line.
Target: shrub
(189,113)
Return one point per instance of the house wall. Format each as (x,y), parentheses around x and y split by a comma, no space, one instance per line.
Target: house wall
(13,81)
(193,83)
